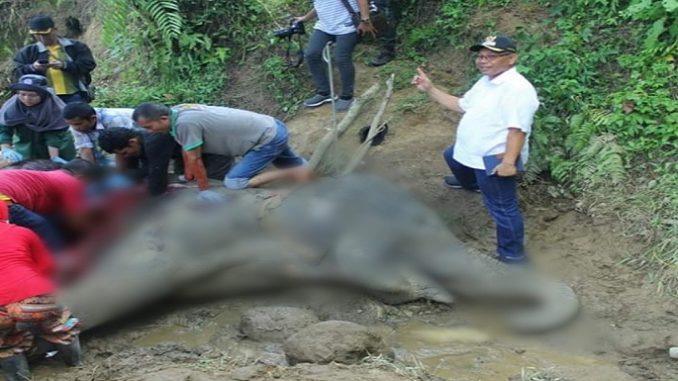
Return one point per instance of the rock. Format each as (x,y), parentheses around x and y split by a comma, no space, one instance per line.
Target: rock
(273,355)
(247,372)
(275,323)
(356,309)
(333,341)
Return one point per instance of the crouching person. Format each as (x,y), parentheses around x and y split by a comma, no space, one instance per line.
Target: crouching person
(31,321)
(145,155)
(259,140)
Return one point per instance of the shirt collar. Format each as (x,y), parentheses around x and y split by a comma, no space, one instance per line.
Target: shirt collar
(64,42)
(100,117)
(173,122)
(503,77)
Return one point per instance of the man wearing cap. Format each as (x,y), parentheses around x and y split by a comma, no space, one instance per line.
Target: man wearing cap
(66,63)
(497,120)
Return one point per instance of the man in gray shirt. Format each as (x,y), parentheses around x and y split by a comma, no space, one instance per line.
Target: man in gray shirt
(258,139)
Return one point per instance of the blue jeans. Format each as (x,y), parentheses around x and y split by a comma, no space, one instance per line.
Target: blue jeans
(277,152)
(21,216)
(500,195)
(345,44)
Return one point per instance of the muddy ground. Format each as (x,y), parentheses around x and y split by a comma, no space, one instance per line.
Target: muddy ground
(623,332)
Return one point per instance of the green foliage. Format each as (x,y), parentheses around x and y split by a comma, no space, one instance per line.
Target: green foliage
(608,90)
(165,16)
(287,86)
(447,25)
(605,71)
(180,50)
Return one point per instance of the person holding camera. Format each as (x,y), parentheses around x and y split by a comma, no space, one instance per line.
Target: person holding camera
(340,22)
(66,63)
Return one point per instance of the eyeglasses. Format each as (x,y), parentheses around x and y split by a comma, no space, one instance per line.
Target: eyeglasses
(489,57)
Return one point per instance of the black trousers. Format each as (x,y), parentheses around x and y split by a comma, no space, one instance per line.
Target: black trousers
(386,22)
(217,166)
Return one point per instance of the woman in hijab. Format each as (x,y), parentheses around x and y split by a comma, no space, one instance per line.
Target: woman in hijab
(31,124)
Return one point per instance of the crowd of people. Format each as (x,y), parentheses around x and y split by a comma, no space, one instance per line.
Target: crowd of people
(65,155)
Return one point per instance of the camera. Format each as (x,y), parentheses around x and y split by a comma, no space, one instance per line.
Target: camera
(295,27)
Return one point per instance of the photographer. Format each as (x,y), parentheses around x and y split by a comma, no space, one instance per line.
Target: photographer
(341,25)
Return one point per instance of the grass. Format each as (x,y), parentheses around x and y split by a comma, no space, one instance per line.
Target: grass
(533,374)
(416,104)
(416,371)
(648,210)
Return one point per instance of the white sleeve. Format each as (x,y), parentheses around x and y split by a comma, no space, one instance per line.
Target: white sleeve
(517,110)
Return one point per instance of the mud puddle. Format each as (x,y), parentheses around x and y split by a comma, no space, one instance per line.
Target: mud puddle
(186,332)
(470,354)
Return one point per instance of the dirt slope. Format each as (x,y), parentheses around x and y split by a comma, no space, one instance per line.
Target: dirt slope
(624,320)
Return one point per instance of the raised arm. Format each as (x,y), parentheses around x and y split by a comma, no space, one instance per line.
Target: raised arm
(424,84)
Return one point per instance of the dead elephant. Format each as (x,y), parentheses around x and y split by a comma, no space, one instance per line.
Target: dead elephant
(358,230)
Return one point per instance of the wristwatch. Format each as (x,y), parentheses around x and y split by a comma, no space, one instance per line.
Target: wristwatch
(367,20)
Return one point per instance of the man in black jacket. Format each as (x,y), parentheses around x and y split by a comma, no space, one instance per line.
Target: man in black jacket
(66,63)
(146,155)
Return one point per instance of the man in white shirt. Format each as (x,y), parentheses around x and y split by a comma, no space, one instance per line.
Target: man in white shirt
(335,24)
(86,124)
(495,127)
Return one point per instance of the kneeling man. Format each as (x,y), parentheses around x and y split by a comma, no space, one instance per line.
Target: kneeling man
(145,155)
(258,139)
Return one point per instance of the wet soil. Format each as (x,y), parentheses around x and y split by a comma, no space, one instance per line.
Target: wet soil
(623,332)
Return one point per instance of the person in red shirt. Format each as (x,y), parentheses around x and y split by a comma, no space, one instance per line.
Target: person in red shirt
(28,306)
(35,196)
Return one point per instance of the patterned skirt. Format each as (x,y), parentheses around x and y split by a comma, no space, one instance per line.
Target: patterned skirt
(40,316)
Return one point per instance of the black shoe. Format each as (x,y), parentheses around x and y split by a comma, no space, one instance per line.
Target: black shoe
(70,354)
(382,59)
(15,368)
(452,182)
